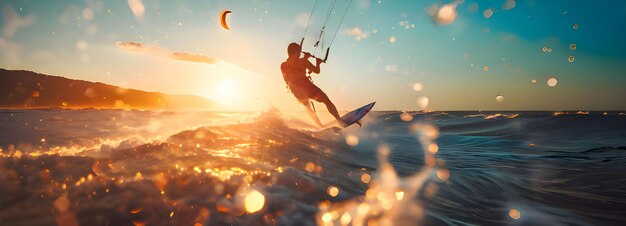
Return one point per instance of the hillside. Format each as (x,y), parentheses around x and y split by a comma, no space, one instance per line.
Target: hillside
(26,89)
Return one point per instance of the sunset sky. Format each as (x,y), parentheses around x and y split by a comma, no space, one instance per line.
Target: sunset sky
(382,49)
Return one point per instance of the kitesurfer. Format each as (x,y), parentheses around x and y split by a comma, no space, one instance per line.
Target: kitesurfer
(295,74)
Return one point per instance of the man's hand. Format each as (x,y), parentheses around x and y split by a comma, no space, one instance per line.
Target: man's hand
(318,61)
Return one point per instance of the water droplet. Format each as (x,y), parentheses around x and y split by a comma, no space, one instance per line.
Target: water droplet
(332,191)
(352,140)
(570,59)
(514,214)
(443,174)
(488,13)
(499,98)
(572,46)
(552,81)
(365,178)
(405,116)
(433,148)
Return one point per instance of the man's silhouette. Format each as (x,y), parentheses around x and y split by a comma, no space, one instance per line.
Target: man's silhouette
(295,74)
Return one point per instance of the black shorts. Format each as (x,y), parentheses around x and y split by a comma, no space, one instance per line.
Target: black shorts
(304,90)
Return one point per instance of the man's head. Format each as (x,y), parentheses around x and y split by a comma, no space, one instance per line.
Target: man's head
(294,50)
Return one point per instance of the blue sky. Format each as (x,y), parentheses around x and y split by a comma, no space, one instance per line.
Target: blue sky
(78,39)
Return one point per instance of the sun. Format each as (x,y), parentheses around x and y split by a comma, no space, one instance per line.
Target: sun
(226,91)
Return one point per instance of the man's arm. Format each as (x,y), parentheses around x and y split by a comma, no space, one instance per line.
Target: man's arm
(315,69)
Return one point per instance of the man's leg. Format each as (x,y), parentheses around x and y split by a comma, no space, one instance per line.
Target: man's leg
(322,97)
(312,114)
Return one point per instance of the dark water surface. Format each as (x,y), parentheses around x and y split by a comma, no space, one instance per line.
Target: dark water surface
(99,167)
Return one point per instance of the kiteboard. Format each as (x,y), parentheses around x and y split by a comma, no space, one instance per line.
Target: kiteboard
(351,117)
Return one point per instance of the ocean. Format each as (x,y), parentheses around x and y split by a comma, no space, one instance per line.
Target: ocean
(132,167)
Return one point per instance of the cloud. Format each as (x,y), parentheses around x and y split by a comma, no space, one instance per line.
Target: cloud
(9,52)
(157,51)
(136,6)
(193,58)
(132,46)
(12,21)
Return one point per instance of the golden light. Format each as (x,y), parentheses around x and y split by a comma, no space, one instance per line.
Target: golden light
(327,217)
(62,204)
(433,148)
(365,178)
(514,214)
(422,103)
(136,210)
(443,174)
(332,191)
(363,208)
(392,39)
(226,91)
(446,14)
(352,140)
(345,219)
(399,195)
(430,131)
(310,167)
(254,201)
(405,116)
(533,81)
(417,86)
(570,59)
(486,68)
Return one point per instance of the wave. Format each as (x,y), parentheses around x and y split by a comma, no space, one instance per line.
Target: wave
(437,168)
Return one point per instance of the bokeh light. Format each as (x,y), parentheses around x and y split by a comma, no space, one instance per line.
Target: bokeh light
(254,201)
(552,81)
(499,98)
